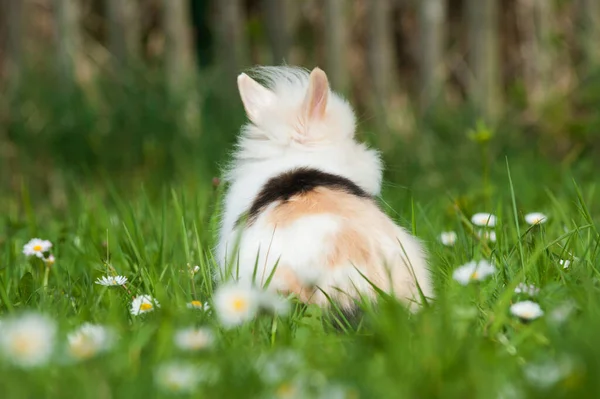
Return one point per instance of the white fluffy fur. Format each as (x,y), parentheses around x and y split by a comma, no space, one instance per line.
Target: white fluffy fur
(279,138)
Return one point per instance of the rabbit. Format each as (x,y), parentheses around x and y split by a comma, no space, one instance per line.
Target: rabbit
(300,211)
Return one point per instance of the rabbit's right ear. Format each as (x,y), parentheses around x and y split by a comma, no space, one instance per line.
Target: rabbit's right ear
(255,97)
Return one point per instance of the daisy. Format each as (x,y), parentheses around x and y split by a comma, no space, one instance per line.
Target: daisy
(530,289)
(448,238)
(37,247)
(236,304)
(487,235)
(561,313)
(535,218)
(28,340)
(564,263)
(111,281)
(274,303)
(545,375)
(198,305)
(526,310)
(90,340)
(483,219)
(143,304)
(473,271)
(193,338)
(50,260)
(177,377)
(274,368)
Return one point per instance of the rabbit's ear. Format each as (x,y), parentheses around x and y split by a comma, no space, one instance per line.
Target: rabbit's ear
(255,97)
(315,102)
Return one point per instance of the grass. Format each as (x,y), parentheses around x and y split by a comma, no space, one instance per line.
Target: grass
(150,227)
(465,343)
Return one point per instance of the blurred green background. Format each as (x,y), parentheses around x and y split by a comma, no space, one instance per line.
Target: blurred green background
(143,92)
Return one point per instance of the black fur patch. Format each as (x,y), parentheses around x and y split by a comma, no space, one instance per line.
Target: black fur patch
(299,181)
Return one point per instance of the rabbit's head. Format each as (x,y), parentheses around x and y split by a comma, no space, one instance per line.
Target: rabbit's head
(297,121)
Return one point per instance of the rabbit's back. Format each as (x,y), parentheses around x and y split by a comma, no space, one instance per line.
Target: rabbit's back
(323,233)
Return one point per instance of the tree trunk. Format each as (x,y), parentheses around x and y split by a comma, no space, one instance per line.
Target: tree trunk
(539,57)
(484,82)
(179,66)
(432,15)
(68,40)
(12,20)
(336,44)
(589,26)
(124,35)
(380,55)
(230,40)
(276,18)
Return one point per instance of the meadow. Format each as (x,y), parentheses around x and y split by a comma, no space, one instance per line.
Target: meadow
(125,191)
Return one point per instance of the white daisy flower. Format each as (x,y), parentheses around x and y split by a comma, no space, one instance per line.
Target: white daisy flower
(177,377)
(530,289)
(193,338)
(526,310)
(143,304)
(198,305)
(50,260)
(236,304)
(448,238)
(483,219)
(37,247)
(545,375)
(89,340)
(274,303)
(112,281)
(28,340)
(535,218)
(487,235)
(564,263)
(561,313)
(473,271)
(276,367)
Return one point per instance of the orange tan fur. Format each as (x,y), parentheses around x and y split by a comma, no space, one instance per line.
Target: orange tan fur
(363,226)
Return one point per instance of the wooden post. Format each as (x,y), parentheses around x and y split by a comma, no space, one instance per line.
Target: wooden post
(68,39)
(336,44)
(12,19)
(380,58)
(432,15)
(179,66)
(484,82)
(535,19)
(231,46)
(276,18)
(123,31)
(589,29)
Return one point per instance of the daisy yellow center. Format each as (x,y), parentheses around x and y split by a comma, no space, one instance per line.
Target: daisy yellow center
(285,390)
(82,348)
(145,306)
(23,345)
(174,385)
(37,248)
(239,304)
(474,275)
(527,314)
(196,303)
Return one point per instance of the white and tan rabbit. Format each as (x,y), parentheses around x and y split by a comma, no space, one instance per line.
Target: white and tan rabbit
(301,200)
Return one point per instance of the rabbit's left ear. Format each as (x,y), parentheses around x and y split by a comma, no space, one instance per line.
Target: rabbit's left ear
(256,98)
(315,102)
